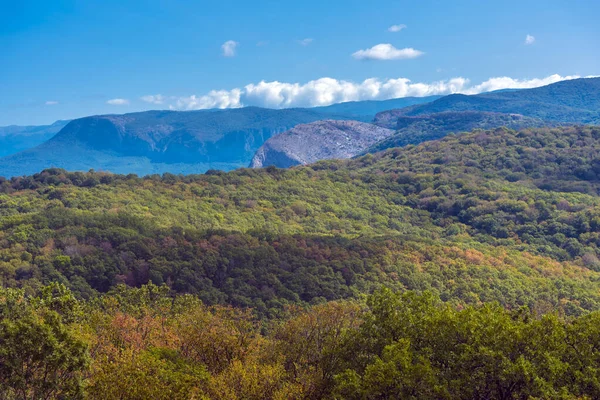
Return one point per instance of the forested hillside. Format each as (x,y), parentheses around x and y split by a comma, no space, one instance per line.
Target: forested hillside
(419,129)
(487,242)
(264,238)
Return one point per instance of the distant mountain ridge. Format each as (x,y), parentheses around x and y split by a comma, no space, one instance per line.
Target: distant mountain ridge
(418,129)
(16,138)
(365,110)
(160,141)
(567,102)
(175,141)
(571,101)
(195,141)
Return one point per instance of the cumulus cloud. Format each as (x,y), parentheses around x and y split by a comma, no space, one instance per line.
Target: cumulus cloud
(529,39)
(386,51)
(214,99)
(305,42)
(229,48)
(396,28)
(153,98)
(509,83)
(326,91)
(118,102)
(51,103)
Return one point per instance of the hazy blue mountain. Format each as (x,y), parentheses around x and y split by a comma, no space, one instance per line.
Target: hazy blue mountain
(366,110)
(418,129)
(16,138)
(572,101)
(160,141)
(195,141)
(167,141)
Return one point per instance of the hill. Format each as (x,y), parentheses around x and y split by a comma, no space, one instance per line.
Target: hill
(365,110)
(14,139)
(418,129)
(159,141)
(501,215)
(308,143)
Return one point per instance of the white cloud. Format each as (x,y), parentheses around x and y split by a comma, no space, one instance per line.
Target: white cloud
(118,102)
(326,91)
(509,83)
(51,103)
(229,48)
(153,98)
(305,42)
(529,39)
(214,99)
(386,51)
(396,28)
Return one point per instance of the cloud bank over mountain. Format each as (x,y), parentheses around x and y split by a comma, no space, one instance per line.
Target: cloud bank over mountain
(326,91)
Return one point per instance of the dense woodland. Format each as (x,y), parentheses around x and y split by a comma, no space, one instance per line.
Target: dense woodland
(144,344)
(462,268)
(418,129)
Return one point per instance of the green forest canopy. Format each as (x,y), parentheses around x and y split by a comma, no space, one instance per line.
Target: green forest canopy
(486,216)
(267,284)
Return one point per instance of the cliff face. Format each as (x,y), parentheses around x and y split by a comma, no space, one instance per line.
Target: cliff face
(319,140)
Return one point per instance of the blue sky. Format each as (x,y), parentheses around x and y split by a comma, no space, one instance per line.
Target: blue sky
(64,59)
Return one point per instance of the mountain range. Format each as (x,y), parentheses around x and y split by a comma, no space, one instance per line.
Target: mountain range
(160,141)
(570,101)
(196,141)
(14,138)
(365,110)
(167,141)
(567,102)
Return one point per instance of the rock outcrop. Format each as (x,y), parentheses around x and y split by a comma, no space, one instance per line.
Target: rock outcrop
(319,140)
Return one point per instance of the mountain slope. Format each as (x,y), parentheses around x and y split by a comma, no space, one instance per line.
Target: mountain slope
(366,110)
(18,138)
(571,101)
(167,141)
(418,129)
(159,141)
(320,140)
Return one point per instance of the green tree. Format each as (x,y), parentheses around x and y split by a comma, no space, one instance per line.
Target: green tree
(40,358)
